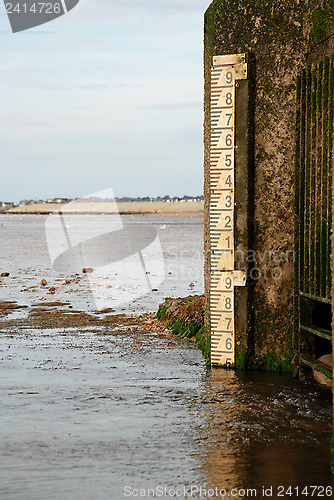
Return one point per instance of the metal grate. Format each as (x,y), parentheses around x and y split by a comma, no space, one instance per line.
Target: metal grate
(314,146)
(314,157)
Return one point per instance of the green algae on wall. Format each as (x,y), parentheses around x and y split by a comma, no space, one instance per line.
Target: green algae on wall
(322,22)
(185,318)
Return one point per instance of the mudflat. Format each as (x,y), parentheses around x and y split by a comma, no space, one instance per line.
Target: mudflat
(134,207)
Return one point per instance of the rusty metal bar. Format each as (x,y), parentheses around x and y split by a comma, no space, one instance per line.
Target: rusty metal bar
(301,172)
(318,167)
(314,148)
(307,215)
(329,175)
(324,174)
(312,187)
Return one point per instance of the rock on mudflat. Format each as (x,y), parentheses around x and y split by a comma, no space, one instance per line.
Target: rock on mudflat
(322,379)
(327,359)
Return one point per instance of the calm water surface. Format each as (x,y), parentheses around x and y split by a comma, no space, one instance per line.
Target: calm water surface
(85,415)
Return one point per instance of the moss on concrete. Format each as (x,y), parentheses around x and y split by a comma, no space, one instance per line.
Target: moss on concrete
(161,314)
(185,318)
(332,453)
(322,23)
(276,363)
(241,360)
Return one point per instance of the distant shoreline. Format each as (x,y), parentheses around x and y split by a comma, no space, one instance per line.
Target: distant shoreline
(123,208)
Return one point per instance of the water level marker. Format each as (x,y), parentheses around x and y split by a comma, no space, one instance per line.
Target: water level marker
(225,73)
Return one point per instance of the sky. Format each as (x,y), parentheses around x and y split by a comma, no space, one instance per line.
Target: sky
(108,96)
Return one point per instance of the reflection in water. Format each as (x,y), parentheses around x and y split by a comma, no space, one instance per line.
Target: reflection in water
(84,415)
(263,429)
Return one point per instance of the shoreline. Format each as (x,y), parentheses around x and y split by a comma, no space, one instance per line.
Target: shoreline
(176,317)
(194,208)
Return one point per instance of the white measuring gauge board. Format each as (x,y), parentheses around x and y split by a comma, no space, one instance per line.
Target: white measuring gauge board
(225,72)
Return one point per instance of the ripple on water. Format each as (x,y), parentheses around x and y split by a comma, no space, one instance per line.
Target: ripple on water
(83,415)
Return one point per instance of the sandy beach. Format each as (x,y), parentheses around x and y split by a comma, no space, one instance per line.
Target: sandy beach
(135,207)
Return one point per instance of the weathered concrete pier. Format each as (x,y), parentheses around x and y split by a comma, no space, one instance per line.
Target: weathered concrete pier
(283,162)
(276,206)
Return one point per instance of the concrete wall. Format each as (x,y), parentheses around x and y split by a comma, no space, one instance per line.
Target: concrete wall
(281,37)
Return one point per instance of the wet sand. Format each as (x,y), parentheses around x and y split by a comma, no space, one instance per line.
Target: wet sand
(54,314)
(24,254)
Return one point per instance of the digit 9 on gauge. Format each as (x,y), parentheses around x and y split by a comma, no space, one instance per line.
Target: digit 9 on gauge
(226,283)
(229,77)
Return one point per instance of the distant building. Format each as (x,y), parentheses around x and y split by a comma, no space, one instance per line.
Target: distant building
(58,200)
(6,204)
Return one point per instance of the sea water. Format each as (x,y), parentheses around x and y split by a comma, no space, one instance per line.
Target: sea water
(122,415)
